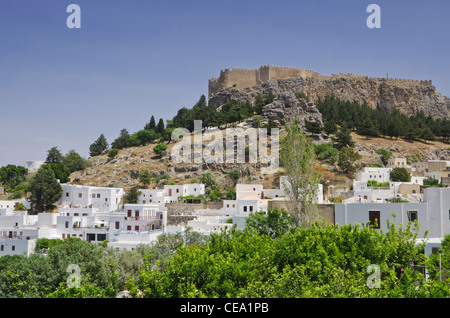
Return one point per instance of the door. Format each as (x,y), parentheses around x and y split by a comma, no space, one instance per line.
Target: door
(374,219)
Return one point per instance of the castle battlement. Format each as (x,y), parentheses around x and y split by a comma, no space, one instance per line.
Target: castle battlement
(245,77)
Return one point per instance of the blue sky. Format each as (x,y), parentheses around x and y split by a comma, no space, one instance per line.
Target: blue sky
(132,59)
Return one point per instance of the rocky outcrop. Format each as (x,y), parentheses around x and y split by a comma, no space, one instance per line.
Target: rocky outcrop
(408,98)
(286,105)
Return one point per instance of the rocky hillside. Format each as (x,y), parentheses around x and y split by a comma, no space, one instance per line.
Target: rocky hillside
(123,171)
(408,98)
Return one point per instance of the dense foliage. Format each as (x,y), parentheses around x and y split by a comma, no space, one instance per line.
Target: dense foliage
(45,189)
(272,257)
(11,176)
(330,261)
(378,122)
(103,271)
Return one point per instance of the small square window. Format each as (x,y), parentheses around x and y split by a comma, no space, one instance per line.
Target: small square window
(412,216)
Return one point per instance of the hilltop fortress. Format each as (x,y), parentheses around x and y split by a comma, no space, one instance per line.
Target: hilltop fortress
(243,77)
(408,95)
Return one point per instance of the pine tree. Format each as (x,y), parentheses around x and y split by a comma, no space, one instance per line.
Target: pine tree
(100,145)
(343,138)
(122,141)
(151,125)
(45,189)
(160,127)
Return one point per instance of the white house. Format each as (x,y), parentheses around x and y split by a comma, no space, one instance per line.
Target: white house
(11,204)
(19,231)
(248,190)
(373,173)
(152,196)
(172,192)
(433,214)
(142,217)
(100,198)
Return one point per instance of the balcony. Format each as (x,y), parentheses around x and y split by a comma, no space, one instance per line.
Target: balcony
(142,218)
(17,237)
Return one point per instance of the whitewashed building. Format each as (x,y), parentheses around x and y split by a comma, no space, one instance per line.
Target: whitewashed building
(373,173)
(433,213)
(100,198)
(19,231)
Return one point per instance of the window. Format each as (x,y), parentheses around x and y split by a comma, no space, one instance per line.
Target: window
(412,216)
(90,237)
(98,195)
(251,208)
(80,195)
(101,237)
(374,219)
(136,228)
(67,194)
(128,227)
(93,195)
(117,225)
(129,213)
(245,208)
(67,224)
(13,248)
(2,248)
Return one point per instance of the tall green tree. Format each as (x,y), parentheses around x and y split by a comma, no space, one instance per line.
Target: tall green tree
(54,156)
(45,189)
(297,157)
(98,146)
(160,127)
(151,125)
(122,141)
(343,138)
(347,160)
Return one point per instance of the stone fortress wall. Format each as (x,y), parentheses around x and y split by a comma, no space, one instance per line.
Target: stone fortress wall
(243,77)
